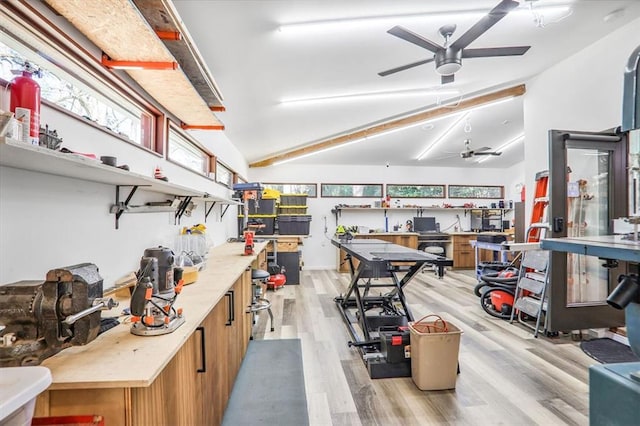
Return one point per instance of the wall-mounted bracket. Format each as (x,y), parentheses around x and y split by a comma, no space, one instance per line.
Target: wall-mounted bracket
(141,65)
(120,207)
(207,211)
(178,205)
(182,208)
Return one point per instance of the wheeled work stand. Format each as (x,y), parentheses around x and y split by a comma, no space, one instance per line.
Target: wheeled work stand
(366,313)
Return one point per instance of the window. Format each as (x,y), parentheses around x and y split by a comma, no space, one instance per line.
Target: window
(351,190)
(415,191)
(224,175)
(57,86)
(186,153)
(311,189)
(466,191)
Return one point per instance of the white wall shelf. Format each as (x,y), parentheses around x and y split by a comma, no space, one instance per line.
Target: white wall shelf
(23,156)
(337,211)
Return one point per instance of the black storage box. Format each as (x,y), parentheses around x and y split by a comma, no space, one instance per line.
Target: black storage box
(491,238)
(267,220)
(297,224)
(293,199)
(265,206)
(292,209)
(393,344)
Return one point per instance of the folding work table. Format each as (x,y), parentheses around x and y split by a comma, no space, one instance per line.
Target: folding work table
(378,265)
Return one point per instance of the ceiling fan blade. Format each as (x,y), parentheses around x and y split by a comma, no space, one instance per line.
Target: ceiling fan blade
(414,38)
(495,51)
(484,148)
(487,21)
(404,67)
(486,153)
(447,79)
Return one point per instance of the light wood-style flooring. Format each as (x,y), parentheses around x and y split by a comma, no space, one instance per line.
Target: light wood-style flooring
(507,377)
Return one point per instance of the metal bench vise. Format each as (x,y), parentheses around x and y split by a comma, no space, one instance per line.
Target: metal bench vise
(39,319)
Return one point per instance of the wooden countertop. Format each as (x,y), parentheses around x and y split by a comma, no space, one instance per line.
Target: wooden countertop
(389,233)
(478,233)
(118,359)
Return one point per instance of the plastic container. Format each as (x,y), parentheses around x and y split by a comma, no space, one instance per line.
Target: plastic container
(265,206)
(435,345)
(292,209)
(294,224)
(271,193)
(293,199)
(254,222)
(19,388)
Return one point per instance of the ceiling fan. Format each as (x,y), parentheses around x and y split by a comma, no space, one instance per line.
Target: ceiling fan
(468,152)
(448,58)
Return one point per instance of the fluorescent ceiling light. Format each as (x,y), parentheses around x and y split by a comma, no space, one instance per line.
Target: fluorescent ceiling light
(330,148)
(504,147)
(371,95)
(464,113)
(366,21)
(444,134)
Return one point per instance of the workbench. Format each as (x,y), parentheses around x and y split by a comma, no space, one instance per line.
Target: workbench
(379,263)
(406,239)
(603,246)
(184,377)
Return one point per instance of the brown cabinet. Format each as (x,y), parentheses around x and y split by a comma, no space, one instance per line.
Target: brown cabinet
(463,253)
(192,389)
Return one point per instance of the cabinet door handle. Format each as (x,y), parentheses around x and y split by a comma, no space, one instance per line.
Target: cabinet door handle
(203,351)
(230,304)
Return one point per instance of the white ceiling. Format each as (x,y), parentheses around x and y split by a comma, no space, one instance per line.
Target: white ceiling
(256,66)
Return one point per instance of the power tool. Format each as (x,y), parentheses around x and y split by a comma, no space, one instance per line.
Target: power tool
(159,284)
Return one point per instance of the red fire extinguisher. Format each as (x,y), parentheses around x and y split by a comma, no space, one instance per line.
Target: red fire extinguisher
(25,93)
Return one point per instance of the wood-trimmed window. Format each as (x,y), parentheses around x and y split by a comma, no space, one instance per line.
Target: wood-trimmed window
(415,191)
(311,189)
(186,152)
(70,88)
(479,191)
(350,190)
(224,175)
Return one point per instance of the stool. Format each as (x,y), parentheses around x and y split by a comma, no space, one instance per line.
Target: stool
(437,250)
(259,303)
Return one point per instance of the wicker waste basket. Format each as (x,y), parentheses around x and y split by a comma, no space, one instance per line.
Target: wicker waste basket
(435,344)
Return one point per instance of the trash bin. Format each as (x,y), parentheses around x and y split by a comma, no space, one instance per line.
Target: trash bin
(435,344)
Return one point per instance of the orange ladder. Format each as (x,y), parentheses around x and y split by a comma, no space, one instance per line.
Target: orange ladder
(540,203)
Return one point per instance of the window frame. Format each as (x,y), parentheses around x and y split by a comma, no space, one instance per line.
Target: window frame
(310,185)
(172,128)
(441,187)
(78,62)
(476,196)
(228,169)
(379,185)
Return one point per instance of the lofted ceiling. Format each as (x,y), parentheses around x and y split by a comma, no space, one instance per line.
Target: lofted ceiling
(258,63)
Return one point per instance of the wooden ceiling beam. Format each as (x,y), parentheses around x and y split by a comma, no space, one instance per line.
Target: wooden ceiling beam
(431,114)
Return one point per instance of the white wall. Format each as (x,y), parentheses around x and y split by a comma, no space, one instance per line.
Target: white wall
(584,92)
(318,253)
(48,222)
